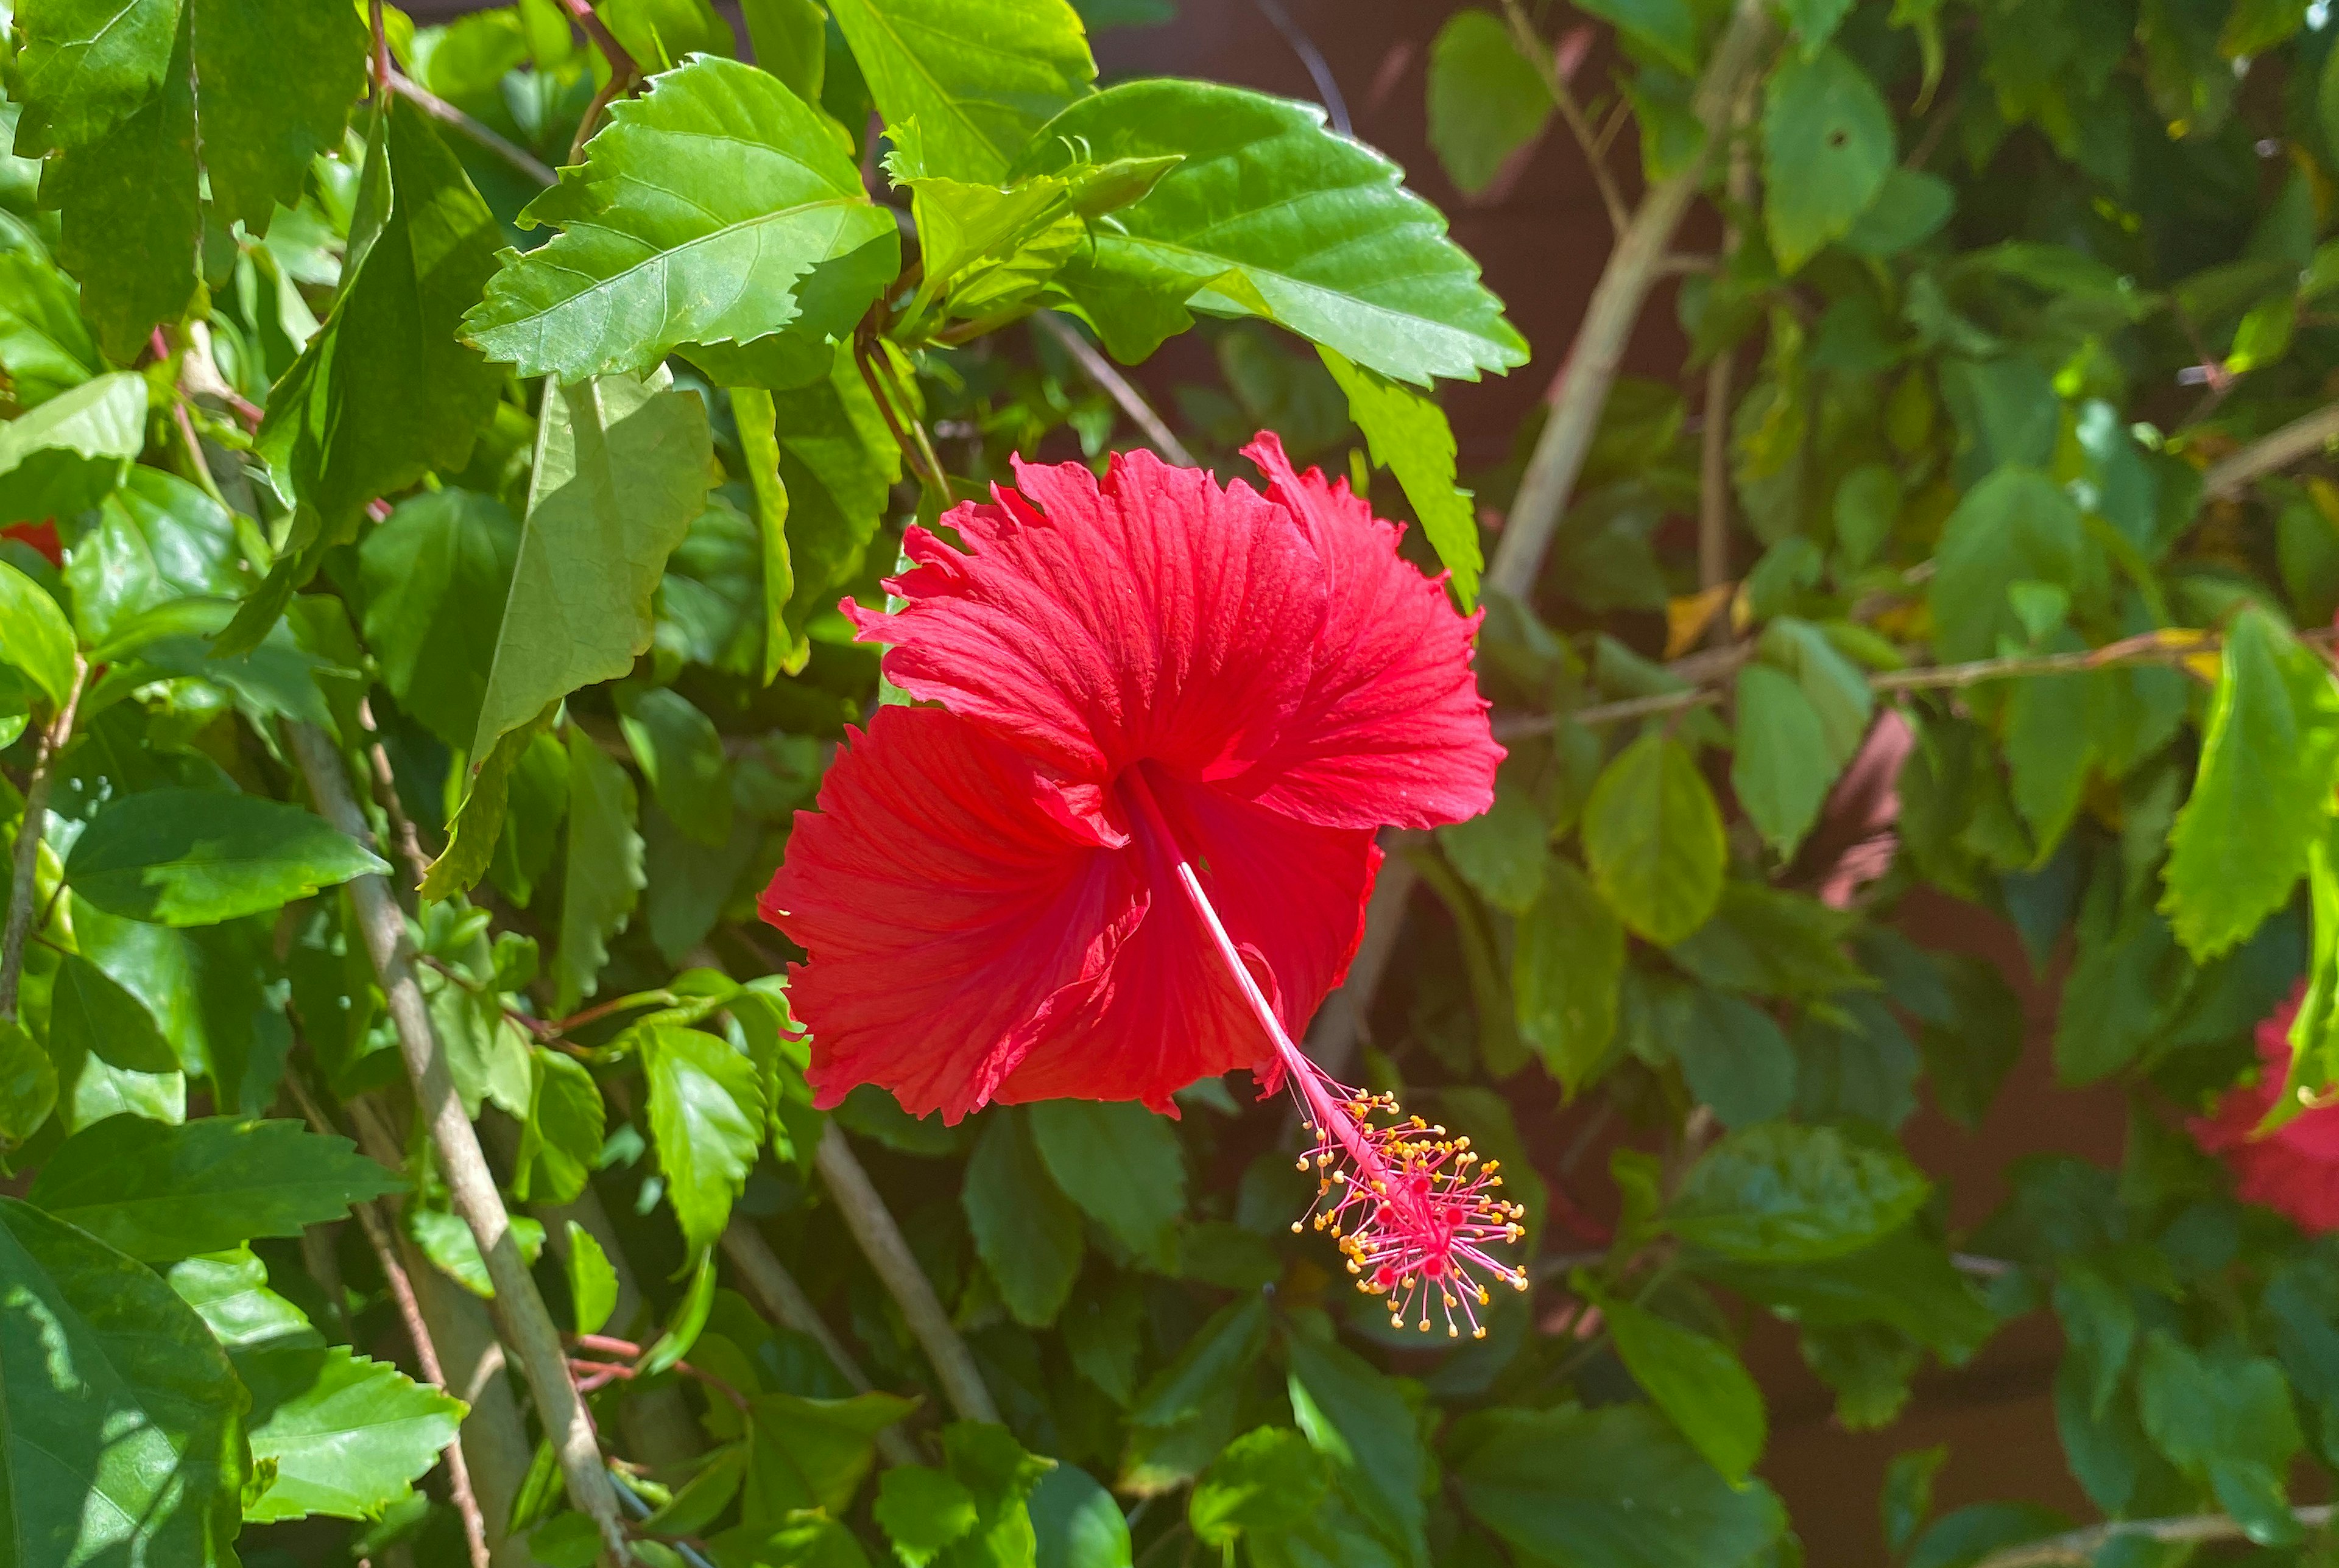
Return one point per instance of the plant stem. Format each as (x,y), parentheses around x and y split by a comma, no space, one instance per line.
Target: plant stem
(2303,436)
(527,1326)
(446,113)
(1580,390)
(1713,441)
(29,829)
(2079,1547)
(871,1224)
(1555,80)
(621,63)
(1115,386)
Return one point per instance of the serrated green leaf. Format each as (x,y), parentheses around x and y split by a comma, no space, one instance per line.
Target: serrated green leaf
(2269,755)
(161,1193)
(1652,836)
(1784,1193)
(921,1511)
(1697,1381)
(1487,100)
(784,651)
(810,1453)
(436,573)
(978,76)
(384,393)
(1732,1054)
(276,79)
(603,878)
(700,207)
(1359,1418)
(1828,144)
(1119,1161)
(560,1140)
(197,857)
(229,1290)
(348,1435)
(1077,1524)
(124,1420)
(2226,1417)
(621,469)
(1565,968)
(86,65)
(707,1110)
(1408,436)
(791,41)
(68,454)
(1267,1480)
(1027,1232)
(839,463)
(156,540)
(34,634)
(1270,215)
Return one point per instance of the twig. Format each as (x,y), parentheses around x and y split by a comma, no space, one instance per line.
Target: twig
(871,1224)
(603,1371)
(439,109)
(527,1326)
(2079,1547)
(380,50)
(1571,112)
(908,431)
(1115,386)
(775,1290)
(639,1507)
(29,829)
(2147,648)
(409,1314)
(385,791)
(1320,70)
(2303,436)
(1713,440)
(621,64)
(1593,361)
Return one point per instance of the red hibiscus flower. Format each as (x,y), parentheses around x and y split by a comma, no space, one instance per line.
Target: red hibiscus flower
(1130,845)
(2295,1169)
(41,536)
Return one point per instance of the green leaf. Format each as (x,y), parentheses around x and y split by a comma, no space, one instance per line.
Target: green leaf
(276,78)
(1218,1356)
(90,1014)
(447,1241)
(1815,22)
(2049,751)
(592,1280)
(478,837)
(1827,146)
(784,650)
(230,1291)
(791,41)
(160,1193)
(1119,1161)
(560,1141)
(2228,1418)
(383,393)
(34,634)
(348,1437)
(1270,215)
(707,1113)
(621,469)
(604,876)
(28,1084)
(1408,436)
(978,76)
(678,751)
(121,1418)
(1664,28)
(701,207)
(1652,836)
(1359,1420)
(436,573)
(1077,1522)
(68,454)
(1027,1232)
(1782,770)
(1697,1381)
(2264,792)
(923,1511)
(2017,525)
(810,1453)
(86,65)
(1487,100)
(197,857)
(43,341)
(1267,1480)
(1615,1486)
(1783,1193)
(1566,969)
(1732,1054)
(156,540)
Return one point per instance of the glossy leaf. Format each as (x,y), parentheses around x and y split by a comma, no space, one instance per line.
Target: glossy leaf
(348,1437)
(706,1109)
(197,857)
(978,76)
(1408,436)
(69,454)
(35,635)
(1697,1381)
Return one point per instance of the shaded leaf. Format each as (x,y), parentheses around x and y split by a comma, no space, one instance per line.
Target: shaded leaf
(1652,836)
(1117,1161)
(1781,1193)
(1027,1232)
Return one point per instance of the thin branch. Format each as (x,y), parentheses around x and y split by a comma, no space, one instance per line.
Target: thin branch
(385,792)
(2079,1547)
(909,433)
(1713,440)
(29,829)
(417,1333)
(446,113)
(1571,112)
(621,64)
(380,50)
(2147,648)
(527,1324)
(871,1224)
(1320,70)
(1593,361)
(2302,438)
(1115,386)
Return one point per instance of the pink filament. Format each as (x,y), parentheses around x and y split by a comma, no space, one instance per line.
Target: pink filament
(1414,1210)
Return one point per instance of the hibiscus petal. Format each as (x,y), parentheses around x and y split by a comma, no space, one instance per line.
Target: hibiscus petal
(1291,896)
(953,920)
(1157,617)
(1391,728)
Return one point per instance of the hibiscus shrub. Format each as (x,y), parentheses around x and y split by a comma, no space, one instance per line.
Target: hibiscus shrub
(683,889)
